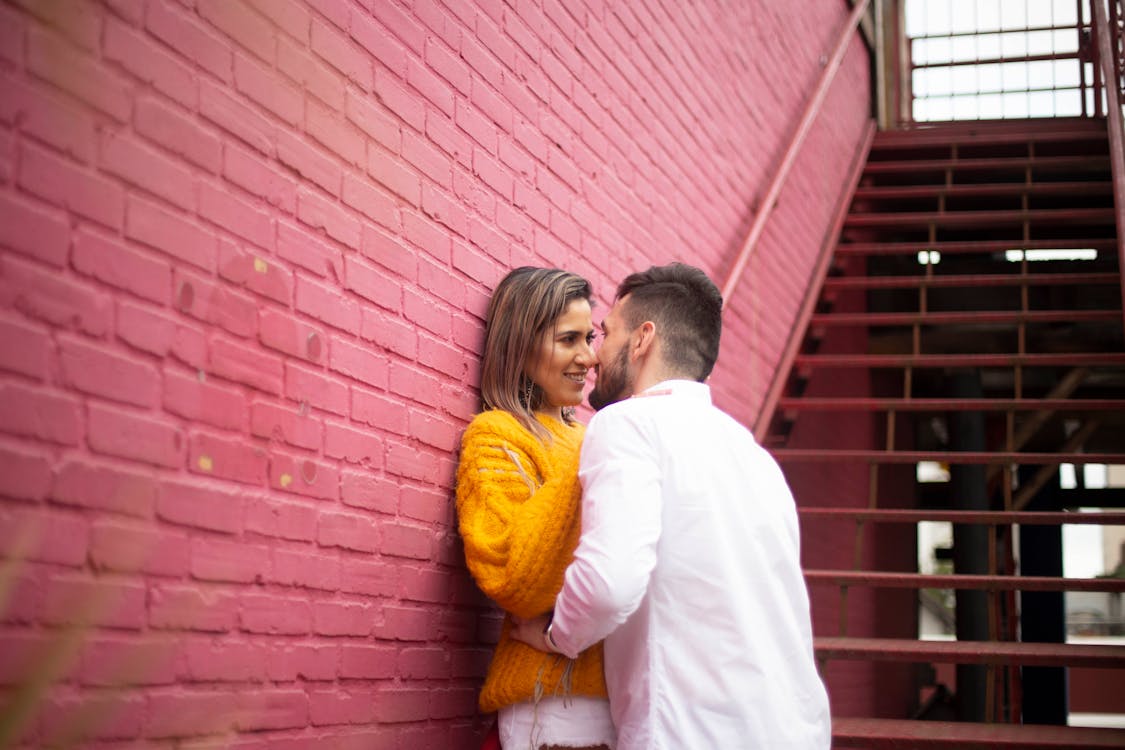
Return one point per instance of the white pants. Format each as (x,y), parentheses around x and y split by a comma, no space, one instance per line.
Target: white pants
(574,721)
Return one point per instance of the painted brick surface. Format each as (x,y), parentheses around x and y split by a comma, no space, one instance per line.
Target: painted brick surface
(245,248)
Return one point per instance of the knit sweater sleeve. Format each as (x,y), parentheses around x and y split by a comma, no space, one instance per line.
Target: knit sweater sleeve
(518,509)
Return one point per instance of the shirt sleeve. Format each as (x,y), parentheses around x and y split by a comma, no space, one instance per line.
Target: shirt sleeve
(517,526)
(621,525)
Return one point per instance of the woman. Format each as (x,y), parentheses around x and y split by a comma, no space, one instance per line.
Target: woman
(518,503)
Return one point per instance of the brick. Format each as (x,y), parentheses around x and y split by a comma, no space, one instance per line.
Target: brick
(244,123)
(444,358)
(115,661)
(120,717)
(444,136)
(184,713)
(40,294)
(115,432)
(75,599)
(150,63)
(24,475)
(78,74)
(146,168)
(393,173)
(40,414)
(170,233)
(167,127)
(199,506)
(347,531)
(218,661)
(364,489)
(35,232)
(314,76)
(343,618)
(402,540)
(131,548)
(274,614)
(425,585)
(379,411)
(427,312)
(304,476)
(307,662)
(253,174)
(96,485)
(402,704)
(227,458)
(273,709)
(367,662)
(290,335)
(215,559)
(156,333)
(268,90)
(281,519)
(236,215)
(246,365)
(330,128)
(69,186)
(374,38)
(47,117)
(249,30)
(316,389)
(472,264)
(287,15)
(370,200)
(343,55)
(175,28)
(26,350)
(216,303)
(190,396)
(421,232)
(369,577)
(409,461)
(32,533)
(328,707)
(481,51)
(101,372)
(300,247)
(389,331)
(314,571)
(373,283)
(423,664)
(178,607)
(352,445)
(426,504)
(309,162)
(359,363)
(327,304)
(119,265)
(336,13)
(374,120)
(319,213)
(289,425)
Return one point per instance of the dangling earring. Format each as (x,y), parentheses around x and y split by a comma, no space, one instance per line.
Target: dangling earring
(527,393)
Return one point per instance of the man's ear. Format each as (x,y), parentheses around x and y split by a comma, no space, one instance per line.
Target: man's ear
(643,338)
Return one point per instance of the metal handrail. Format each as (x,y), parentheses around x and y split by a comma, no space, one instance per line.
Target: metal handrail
(1110,78)
(812,109)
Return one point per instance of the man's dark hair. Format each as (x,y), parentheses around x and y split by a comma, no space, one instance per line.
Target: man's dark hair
(687,308)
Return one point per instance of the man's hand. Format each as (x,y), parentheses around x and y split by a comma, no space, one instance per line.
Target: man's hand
(533,632)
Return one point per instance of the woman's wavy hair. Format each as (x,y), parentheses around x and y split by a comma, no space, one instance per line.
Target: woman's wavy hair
(524,307)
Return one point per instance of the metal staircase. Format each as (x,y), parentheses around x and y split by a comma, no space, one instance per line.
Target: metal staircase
(939,339)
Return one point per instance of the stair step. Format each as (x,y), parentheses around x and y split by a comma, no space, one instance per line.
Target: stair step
(861,404)
(1099,163)
(971,280)
(970,317)
(1107,245)
(990,517)
(903,733)
(983,190)
(984,218)
(975,132)
(1098,656)
(1064,359)
(963,582)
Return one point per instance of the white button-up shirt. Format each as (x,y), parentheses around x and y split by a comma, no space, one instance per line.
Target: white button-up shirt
(689,568)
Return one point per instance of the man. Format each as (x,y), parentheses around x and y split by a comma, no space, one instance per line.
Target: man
(688,564)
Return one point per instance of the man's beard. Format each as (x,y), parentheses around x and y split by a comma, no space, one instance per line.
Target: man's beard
(613,383)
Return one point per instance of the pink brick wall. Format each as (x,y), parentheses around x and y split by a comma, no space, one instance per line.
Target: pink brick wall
(245,246)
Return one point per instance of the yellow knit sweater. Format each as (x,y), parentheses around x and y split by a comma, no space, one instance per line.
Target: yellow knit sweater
(518,508)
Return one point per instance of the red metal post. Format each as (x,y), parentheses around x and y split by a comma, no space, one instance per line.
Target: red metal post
(1108,66)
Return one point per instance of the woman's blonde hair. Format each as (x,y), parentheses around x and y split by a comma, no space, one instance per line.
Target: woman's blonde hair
(525,306)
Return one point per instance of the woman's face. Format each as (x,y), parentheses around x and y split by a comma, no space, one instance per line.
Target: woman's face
(560,363)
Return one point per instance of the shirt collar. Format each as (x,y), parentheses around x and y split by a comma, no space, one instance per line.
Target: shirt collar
(682,388)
